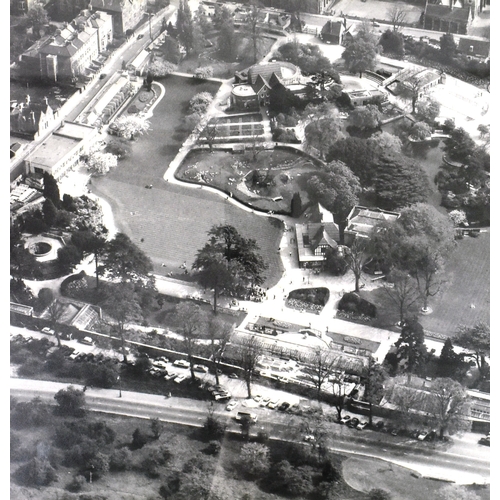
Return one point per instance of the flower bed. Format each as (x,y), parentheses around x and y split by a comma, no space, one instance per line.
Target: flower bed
(308,299)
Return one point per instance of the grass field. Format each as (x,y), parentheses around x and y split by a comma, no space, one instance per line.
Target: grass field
(172,220)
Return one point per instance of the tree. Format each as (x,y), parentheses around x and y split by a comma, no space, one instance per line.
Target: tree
(191,320)
(456,492)
(476,341)
(123,260)
(373,376)
(101,163)
(37,472)
(356,256)
(449,406)
(37,18)
(428,110)
(365,117)
(227,41)
(71,401)
(315,427)
(222,14)
(460,146)
(397,17)
(379,494)
(251,28)
(189,33)
(399,181)
(90,243)
(219,333)
(159,68)
(249,351)
(296,205)
(448,47)
(321,134)
(68,257)
(228,261)
(255,459)
(420,131)
(51,189)
(123,306)
(128,127)
(49,212)
(320,367)
(411,347)
(203,21)
(55,311)
(291,481)
(213,428)
(360,55)
(139,439)
(403,291)
(392,42)
(98,465)
(200,102)
(337,189)
(156,428)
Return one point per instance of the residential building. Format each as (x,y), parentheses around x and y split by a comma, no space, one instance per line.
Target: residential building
(316,237)
(333,32)
(29,119)
(474,49)
(126,13)
(61,152)
(102,21)
(361,221)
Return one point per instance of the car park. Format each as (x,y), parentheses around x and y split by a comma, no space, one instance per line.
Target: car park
(361,426)
(181,363)
(231,406)
(345,419)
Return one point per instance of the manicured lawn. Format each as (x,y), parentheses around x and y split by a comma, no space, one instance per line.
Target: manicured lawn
(232,173)
(173,220)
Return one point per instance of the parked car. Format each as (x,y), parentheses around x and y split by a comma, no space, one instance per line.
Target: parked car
(485,441)
(139,37)
(257,398)
(231,406)
(181,363)
(353,422)
(170,376)
(233,375)
(48,331)
(179,378)
(284,406)
(273,404)
(86,341)
(200,368)
(345,419)
(309,438)
(422,435)
(361,426)
(380,426)
(245,414)
(222,397)
(264,401)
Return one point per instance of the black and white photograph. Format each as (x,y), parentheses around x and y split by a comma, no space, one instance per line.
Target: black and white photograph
(249,250)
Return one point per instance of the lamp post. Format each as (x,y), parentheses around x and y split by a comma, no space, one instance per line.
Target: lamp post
(119,386)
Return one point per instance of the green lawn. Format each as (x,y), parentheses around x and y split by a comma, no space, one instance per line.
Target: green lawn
(173,220)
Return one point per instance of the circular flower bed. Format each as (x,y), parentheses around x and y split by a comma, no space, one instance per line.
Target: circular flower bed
(40,248)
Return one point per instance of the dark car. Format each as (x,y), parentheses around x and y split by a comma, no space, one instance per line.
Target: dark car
(485,441)
(353,422)
(284,406)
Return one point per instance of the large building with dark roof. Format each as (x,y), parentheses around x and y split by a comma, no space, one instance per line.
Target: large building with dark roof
(449,16)
(30,119)
(126,14)
(362,220)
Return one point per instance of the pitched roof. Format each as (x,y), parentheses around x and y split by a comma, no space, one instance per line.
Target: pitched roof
(362,220)
(258,84)
(332,28)
(479,47)
(446,13)
(266,70)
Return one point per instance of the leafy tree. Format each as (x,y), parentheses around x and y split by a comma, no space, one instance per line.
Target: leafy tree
(49,212)
(320,367)
(124,260)
(373,376)
(170,51)
(71,401)
(101,163)
(213,428)
(98,465)
(392,42)
(420,131)
(123,306)
(449,406)
(32,413)
(189,33)
(456,492)
(291,481)
(221,15)
(476,341)
(20,292)
(191,320)
(139,439)
(321,133)
(251,28)
(90,243)
(203,21)
(365,117)
(403,291)
(399,181)
(101,376)
(156,428)
(120,459)
(427,110)
(200,102)
(37,18)
(250,349)
(228,261)
(219,333)
(410,347)
(127,126)
(55,311)
(337,189)
(296,205)
(360,55)
(68,257)
(460,146)
(159,68)
(37,472)
(51,189)
(255,459)
(448,47)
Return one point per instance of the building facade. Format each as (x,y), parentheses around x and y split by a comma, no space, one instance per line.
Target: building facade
(28,119)
(126,13)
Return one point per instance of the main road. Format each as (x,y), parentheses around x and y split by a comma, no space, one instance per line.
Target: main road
(465,464)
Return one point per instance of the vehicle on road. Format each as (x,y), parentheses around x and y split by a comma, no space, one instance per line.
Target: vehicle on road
(485,441)
(231,406)
(48,331)
(86,341)
(245,414)
(181,363)
(139,37)
(102,76)
(222,396)
(309,438)
(345,419)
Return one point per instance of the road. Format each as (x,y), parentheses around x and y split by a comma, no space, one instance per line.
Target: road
(469,464)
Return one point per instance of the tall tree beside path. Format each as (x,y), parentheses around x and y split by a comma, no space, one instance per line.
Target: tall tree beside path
(321,365)
(37,18)
(373,376)
(91,244)
(411,351)
(356,257)
(397,17)
(219,333)
(476,341)
(360,55)
(251,28)
(249,351)
(228,261)
(403,291)
(55,311)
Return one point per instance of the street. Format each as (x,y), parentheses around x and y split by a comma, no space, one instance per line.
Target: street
(463,463)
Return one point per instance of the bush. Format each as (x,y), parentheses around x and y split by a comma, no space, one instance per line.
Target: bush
(213,448)
(139,439)
(213,429)
(120,459)
(76,484)
(285,135)
(204,72)
(37,472)
(71,402)
(353,303)
(32,413)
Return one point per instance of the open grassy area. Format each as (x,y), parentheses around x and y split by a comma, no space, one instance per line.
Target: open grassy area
(232,173)
(172,220)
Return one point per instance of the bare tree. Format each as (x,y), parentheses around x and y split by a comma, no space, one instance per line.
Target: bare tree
(251,28)
(404,291)
(55,311)
(407,400)
(355,257)
(321,366)
(397,17)
(219,334)
(209,133)
(315,427)
(250,350)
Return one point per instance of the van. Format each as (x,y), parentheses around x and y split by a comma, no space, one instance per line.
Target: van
(245,414)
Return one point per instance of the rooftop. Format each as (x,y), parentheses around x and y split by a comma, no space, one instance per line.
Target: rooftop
(359,343)
(53,150)
(445,12)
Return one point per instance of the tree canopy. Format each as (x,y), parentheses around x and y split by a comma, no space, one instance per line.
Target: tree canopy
(411,350)
(476,340)
(360,54)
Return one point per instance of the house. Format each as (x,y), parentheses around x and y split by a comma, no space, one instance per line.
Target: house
(126,14)
(253,86)
(449,16)
(102,21)
(316,237)
(61,151)
(474,49)
(333,32)
(29,119)
(361,222)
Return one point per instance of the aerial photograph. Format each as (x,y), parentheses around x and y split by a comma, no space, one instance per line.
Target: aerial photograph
(249,250)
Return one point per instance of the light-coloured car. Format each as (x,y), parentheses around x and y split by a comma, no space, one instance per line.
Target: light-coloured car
(231,406)
(86,341)
(179,379)
(48,331)
(345,419)
(200,368)
(257,398)
(309,438)
(273,404)
(181,363)
(264,401)
(361,426)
